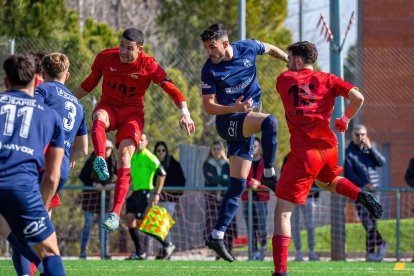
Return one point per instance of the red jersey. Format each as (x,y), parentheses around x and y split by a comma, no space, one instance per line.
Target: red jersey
(124,84)
(308,98)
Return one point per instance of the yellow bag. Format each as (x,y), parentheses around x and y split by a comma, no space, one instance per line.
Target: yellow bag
(157,222)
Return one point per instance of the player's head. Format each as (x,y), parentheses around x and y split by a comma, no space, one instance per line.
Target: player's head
(38,56)
(161,150)
(216,42)
(132,43)
(301,54)
(217,151)
(143,142)
(20,71)
(257,148)
(55,66)
(359,134)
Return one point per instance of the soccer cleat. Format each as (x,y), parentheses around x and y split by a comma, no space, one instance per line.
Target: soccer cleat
(112,222)
(371,204)
(299,256)
(219,246)
(99,164)
(280,274)
(372,257)
(166,252)
(383,249)
(270,182)
(135,257)
(313,256)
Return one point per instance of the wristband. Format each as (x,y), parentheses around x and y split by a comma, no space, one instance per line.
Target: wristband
(345,119)
(184,111)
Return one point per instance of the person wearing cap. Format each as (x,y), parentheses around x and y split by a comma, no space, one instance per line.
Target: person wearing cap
(127,73)
(91,201)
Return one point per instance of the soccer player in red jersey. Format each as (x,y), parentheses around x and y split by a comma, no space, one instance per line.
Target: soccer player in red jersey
(308,98)
(127,73)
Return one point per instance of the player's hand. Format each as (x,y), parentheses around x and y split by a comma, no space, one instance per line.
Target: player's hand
(72,164)
(246,106)
(340,125)
(187,123)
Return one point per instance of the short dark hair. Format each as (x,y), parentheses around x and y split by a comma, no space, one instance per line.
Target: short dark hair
(215,31)
(38,56)
(305,50)
(19,69)
(134,35)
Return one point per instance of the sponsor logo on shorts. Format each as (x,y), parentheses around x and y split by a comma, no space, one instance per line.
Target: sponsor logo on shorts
(232,130)
(134,76)
(112,69)
(204,85)
(35,228)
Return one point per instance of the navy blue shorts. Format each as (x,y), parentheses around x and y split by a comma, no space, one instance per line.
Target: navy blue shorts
(26,214)
(230,128)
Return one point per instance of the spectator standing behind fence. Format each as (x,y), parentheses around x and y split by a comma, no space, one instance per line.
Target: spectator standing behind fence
(144,164)
(91,200)
(307,213)
(361,163)
(260,199)
(174,178)
(216,171)
(409,178)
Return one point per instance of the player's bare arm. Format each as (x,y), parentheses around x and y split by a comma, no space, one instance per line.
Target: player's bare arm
(213,108)
(79,148)
(80,93)
(51,176)
(356,101)
(275,52)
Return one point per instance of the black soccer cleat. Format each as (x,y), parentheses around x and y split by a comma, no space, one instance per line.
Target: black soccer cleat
(371,204)
(219,246)
(270,182)
(280,274)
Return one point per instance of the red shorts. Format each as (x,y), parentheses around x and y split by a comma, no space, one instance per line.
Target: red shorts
(302,168)
(55,202)
(128,120)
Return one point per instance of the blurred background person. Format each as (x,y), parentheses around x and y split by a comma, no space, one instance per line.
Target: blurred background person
(361,163)
(174,178)
(91,200)
(260,199)
(216,171)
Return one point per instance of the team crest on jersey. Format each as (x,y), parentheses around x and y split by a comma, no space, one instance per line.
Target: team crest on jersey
(247,63)
(134,76)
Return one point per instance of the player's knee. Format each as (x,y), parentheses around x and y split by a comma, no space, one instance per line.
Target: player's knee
(269,124)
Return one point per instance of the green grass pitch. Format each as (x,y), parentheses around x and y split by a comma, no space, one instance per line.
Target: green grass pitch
(219,268)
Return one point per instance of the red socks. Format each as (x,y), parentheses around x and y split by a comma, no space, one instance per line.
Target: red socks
(280,252)
(347,188)
(33,269)
(98,138)
(121,188)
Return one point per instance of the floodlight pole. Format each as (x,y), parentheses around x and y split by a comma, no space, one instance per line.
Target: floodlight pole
(337,202)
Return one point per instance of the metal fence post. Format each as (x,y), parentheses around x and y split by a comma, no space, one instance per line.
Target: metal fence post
(250,223)
(398,224)
(102,218)
(11,46)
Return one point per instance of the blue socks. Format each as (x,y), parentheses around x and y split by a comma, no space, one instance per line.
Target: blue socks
(23,254)
(230,203)
(53,266)
(269,141)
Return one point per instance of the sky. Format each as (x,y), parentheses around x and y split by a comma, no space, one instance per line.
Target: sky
(312,9)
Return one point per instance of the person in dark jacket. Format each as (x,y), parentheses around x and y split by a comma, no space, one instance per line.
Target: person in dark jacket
(216,171)
(260,200)
(175,178)
(361,163)
(91,201)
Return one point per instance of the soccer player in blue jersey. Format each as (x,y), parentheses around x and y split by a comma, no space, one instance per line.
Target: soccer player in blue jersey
(53,93)
(31,137)
(231,91)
